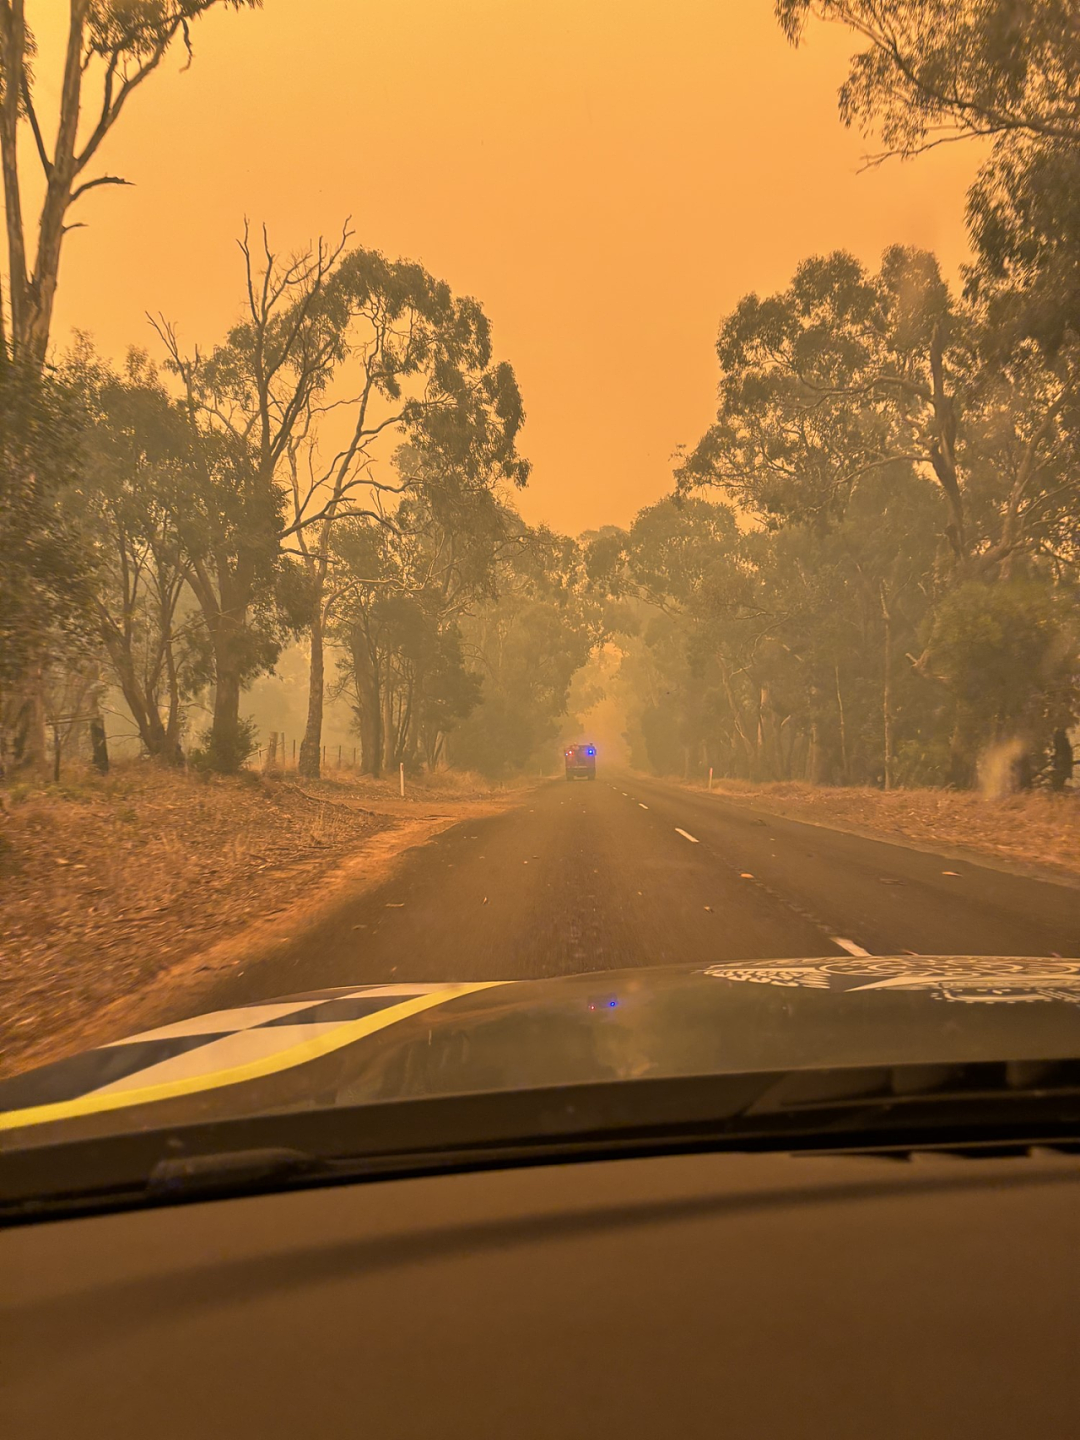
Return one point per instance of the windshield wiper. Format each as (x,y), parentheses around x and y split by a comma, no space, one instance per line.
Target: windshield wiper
(230,1171)
(977,1108)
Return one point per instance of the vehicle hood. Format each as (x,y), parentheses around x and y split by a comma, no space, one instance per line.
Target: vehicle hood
(370,1043)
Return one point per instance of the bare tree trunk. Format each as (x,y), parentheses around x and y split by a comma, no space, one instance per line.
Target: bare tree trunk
(58,193)
(225,746)
(311,744)
(99,745)
(142,707)
(371,739)
(388,728)
(786,742)
(961,768)
(886,693)
(813,756)
(225,614)
(943,444)
(173,752)
(12,55)
(37,744)
(769,758)
(737,721)
(369,708)
(843,727)
(1061,767)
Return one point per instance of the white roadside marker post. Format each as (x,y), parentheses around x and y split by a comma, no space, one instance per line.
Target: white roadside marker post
(710,777)
(401,778)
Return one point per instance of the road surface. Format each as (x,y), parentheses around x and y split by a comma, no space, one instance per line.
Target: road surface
(624,871)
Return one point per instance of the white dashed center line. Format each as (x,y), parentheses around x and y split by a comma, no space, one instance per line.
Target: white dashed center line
(848,945)
(642,807)
(686,835)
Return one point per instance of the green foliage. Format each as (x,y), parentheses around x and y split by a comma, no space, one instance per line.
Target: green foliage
(529,641)
(1008,654)
(47,566)
(228,754)
(433,421)
(932,71)
(838,653)
(45,562)
(997,376)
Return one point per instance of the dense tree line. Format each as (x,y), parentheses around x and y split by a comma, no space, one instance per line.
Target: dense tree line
(337,471)
(868,571)
(883,583)
(112,48)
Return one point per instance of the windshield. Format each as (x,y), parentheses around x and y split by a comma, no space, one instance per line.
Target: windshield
(550,557)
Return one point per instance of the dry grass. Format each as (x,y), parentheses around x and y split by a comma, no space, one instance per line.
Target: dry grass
(117,892)
(347,786)
(107,883)
(1036,828)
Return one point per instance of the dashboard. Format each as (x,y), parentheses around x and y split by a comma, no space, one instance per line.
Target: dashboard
(709,1295)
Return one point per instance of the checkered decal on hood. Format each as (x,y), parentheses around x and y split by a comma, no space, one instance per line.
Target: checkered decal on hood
(220,1048)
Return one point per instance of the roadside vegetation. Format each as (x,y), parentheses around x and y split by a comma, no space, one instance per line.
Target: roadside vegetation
(867,574)
(118,888)
(1030,830)
(335,472)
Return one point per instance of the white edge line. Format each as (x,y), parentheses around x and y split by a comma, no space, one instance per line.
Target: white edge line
(686,835)
(848,945)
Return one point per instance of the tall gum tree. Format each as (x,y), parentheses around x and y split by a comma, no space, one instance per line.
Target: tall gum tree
(848,375)
(249,402)
(418,362)
(848,372)
(404,590)
(393,355)
(134,462)
(112,47)
(928,73)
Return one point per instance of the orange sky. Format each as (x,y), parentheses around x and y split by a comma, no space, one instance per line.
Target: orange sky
(606,176)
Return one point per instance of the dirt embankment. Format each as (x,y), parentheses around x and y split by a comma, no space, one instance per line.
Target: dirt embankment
(122,892)
(1032,831)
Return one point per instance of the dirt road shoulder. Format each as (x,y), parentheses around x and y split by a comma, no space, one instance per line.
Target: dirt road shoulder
(1037,835)
(125,899)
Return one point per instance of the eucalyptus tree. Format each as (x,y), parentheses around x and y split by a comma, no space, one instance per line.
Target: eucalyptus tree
(850,379)
(111,48)
(431,434)
(134,490)
(341,355)
(931,72)
(1006,72)
(526,643)
(403,592)
(847,371)
(46,572)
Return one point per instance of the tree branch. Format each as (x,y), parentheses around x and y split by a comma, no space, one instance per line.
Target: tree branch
(93,184)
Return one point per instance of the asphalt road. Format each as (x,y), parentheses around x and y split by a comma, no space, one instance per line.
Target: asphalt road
(624,871)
